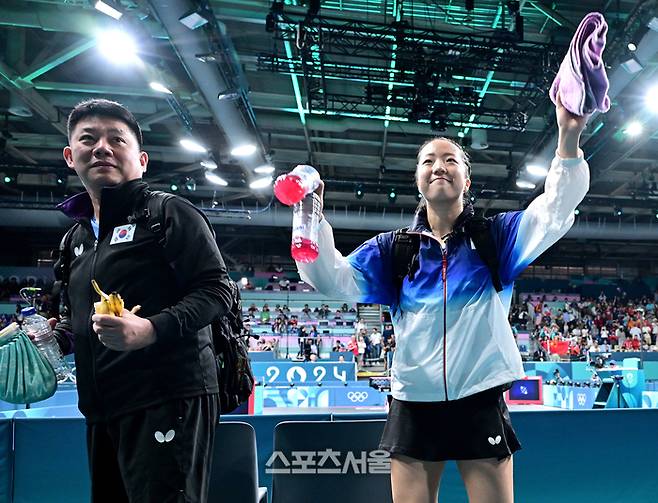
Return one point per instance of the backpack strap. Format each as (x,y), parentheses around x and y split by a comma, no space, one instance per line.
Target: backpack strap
(63,270)
(478,229)
(151,210)
(406,247)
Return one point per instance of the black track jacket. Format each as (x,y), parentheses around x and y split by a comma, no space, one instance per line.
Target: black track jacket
(181,285)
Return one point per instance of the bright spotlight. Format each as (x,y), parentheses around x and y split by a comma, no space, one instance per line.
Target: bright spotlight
(192,146)
(157,86)
(107,9)
(265,169)
(261,183)
(118,47)
(216,179)
(209,164)
(536,170)
(522,184)
(243,150)
(634,128)
(632,47)
(651,99)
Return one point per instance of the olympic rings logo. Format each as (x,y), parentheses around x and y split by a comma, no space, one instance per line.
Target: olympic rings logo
(357,396)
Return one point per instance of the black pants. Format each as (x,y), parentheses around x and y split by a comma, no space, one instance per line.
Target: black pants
(156,455)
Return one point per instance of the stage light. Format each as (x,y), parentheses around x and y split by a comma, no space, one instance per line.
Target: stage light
(244,150)
(228,96)
(209,57)
(157,86)
(633,129)
(576,212)
(192,145)
(216,179)
(118,47)
(194,19)
(313,7)
(392,195)
(173,187)
(358,191)
(536,170)
(632,47)
(522,184)
(108,8)
(190,184)
(419,196)
(261,183)
(8,179)
(265,169)
(618,212)
(651,99)
(270,22)
(209,164)
(653,24)
(631,64)
(439,119)
(479,139)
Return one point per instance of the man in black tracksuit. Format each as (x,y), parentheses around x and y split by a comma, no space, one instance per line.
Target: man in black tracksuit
(147,382)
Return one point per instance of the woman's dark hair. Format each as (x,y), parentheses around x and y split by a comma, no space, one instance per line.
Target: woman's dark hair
(103,108)
(465,158)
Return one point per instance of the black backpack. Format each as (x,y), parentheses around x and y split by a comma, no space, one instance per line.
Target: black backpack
(406,247)
(229,337)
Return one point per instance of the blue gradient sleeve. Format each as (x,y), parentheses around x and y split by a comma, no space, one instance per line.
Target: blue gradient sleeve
(373,270)
(505,230)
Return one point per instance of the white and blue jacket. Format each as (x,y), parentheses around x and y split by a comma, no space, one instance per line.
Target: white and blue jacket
(452,333)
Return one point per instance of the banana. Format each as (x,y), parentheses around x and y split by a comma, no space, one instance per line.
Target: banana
(109,304)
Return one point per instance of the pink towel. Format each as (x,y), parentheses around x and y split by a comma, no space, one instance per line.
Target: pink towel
(582,81)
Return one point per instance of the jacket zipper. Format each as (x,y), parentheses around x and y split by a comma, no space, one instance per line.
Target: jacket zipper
(444,269)
(445,330)
(93,334)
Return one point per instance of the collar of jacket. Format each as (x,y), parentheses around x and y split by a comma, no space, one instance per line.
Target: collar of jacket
(421,224)
(117,203)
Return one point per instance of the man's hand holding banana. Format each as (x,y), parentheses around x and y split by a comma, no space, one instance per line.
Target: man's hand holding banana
(118,328)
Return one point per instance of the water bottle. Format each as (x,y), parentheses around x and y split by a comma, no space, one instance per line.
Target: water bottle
(305,227)
(292,187)
(38,327)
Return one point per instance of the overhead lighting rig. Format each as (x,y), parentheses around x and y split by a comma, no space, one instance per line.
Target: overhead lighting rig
(430,72)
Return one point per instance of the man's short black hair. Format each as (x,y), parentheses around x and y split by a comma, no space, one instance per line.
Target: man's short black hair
(103,108)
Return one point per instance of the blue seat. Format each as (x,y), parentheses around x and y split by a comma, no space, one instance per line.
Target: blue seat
(6,459)
(50,460)
(341,453)
(234,474)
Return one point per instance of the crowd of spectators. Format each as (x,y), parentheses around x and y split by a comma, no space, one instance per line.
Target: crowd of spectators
(588,325)
(369,345)
(301,324)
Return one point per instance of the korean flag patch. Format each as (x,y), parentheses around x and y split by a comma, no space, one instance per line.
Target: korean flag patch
(123,234)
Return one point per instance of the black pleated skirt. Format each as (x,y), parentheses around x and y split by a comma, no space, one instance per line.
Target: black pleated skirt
(475,427)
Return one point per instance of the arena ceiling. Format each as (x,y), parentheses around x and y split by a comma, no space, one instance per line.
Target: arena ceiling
(352,88)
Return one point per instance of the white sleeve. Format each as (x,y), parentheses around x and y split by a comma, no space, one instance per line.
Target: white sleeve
(551,214)
(331,274)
